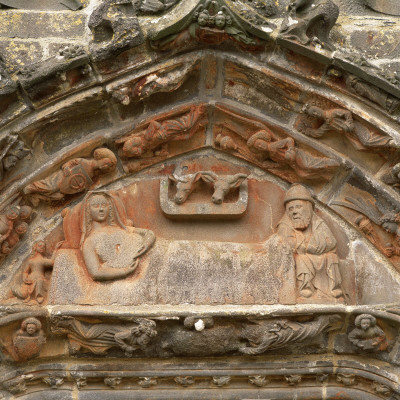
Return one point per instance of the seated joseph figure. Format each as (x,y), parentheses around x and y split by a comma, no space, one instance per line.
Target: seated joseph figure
(110,246)
(313,246)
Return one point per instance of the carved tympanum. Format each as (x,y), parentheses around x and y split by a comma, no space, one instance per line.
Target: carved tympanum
(310,21)
(74,177)
(99,338)
(28,340)
(277,333)
(341,121)
(313,246)
(111,247)
(367,336)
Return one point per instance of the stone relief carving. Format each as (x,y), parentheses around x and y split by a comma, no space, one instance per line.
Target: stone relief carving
(184,381)
(277,333)
(28,340)
(53,381)
(222,185)
(12,151)
(367,336)
(212,23)
(75,176)
(35,276)
(368,91)
(341,121)
(389,221)
(310,22)
(18,384)
(13,224)
(114,27)
(111,247)
(270,150)
(165,80)
(112,381)
(147,381)
(157,135)
(99,338)
(259,380)
(313,246)
(221,381)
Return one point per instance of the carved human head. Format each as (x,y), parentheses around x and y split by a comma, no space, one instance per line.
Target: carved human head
(203,18)
(39,246)
(21,228)
(31,326)
(106,160)
(389,222)
(25,212)
(99,208)
(10,162)
(220,20)
(313,111)
(134,146)
(299,205)
(365,321)
(12,213)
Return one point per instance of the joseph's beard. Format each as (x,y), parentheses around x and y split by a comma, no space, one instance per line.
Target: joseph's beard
(301,222)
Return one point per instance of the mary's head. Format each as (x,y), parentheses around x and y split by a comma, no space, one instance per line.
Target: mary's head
(99,207)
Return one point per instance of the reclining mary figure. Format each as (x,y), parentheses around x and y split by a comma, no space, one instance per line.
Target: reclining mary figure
(110,245)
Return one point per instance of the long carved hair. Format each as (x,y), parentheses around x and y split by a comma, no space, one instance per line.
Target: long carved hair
(114,217)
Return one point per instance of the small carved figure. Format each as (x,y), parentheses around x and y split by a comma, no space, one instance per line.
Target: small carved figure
(310,21)
(12,150)
(346,379)
(112,381)
(392,177)
(199,324)
(147,381)
(283,151)
(313,246)
(184,381)
(226,143)
(372,93)
(221,381)
(222,184)
(35,281)
(29,339)
(367,336)
(274,334)
(74,177)
(367,228)
(53,381)
(99,338)
(110,248)
(18,384)
(158,134)
(390,222)
(259,380)
(184,186)
(14,237)
(7,221)
(293,380)
(341,121)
